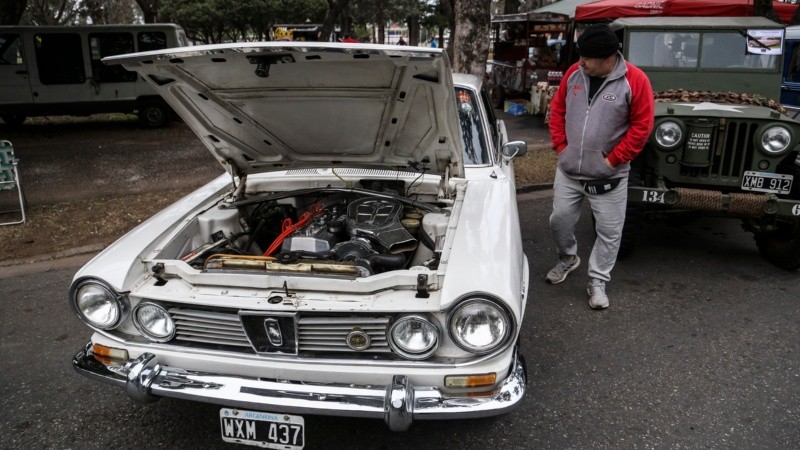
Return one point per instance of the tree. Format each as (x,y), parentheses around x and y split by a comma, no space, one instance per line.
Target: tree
(150,9)
(104,11)
(11,11)
(335,10)
(471,36)
(51,12)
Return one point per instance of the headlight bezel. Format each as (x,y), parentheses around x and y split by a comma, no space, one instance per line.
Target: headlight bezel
(510,322)
(663,122)
(143,330)
(405,353)
(121,302)
(762,132)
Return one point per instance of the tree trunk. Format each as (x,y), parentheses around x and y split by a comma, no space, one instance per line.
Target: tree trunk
(471,36)
(11,11)
(149,10)
(335,8)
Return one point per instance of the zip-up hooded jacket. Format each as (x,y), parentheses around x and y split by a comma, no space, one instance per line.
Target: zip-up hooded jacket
(615,124)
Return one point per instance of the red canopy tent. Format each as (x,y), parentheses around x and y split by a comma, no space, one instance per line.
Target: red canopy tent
(612,9)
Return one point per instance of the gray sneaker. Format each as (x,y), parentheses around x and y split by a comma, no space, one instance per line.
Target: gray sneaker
(597,294)
(559,273)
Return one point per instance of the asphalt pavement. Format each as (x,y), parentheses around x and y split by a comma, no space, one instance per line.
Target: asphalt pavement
(699,349)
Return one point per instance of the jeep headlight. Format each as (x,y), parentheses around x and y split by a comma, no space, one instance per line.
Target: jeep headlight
(414,337)
(154,322)
(775,140)
(98,305)
(479,325)
(668,135)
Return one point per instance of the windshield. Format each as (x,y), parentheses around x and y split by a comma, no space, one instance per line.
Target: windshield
(472,131)
(709,50)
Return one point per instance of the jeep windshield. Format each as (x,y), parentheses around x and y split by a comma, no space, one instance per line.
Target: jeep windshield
(698,50)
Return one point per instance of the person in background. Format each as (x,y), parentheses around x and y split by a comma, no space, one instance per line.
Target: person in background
(401,41)
(349,39)
(434,43)
(600,119)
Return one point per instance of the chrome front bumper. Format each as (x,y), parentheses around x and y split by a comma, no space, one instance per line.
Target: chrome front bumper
(398,404)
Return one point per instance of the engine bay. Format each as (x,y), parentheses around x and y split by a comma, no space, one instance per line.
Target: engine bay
(351,232)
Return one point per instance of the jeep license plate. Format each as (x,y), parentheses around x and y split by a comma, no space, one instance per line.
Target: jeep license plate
(262,429)
(775,183)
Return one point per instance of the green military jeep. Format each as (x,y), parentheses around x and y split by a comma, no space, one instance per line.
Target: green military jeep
(722,144)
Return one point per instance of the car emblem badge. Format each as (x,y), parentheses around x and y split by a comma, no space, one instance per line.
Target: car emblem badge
(357,339)
(273,332)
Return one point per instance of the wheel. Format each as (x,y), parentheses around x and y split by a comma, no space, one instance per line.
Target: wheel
(634,220)
(497,95)
(781,247)
(154,113)
(13,119)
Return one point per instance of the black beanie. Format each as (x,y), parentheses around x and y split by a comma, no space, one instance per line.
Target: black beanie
(597,41)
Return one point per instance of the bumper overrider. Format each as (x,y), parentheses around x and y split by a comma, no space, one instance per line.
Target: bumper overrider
(398,403)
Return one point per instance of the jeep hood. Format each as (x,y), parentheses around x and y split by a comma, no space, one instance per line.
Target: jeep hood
(278,105)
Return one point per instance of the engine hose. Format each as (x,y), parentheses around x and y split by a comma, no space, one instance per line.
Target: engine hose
(380,263)
(426,240)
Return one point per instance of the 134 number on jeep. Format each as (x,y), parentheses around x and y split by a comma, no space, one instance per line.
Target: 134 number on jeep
(652,196)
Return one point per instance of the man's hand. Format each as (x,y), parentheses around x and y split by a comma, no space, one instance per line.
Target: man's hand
(608,163)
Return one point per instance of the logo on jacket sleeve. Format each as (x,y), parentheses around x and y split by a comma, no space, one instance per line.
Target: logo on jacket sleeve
(609,97)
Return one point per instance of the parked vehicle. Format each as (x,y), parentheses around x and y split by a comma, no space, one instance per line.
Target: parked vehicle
(790,83)
(722,144)
(361,258)
(57,70)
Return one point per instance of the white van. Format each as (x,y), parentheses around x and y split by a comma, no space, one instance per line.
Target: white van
(57,70)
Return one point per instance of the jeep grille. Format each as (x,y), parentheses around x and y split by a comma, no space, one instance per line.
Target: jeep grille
(728,159)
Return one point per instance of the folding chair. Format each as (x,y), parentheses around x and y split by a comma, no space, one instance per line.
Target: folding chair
(9,178)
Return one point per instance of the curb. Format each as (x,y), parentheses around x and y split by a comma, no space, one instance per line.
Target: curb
(96,248)
(77,251)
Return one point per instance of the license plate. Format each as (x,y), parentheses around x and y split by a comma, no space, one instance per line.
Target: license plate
(262,429)
(776,183)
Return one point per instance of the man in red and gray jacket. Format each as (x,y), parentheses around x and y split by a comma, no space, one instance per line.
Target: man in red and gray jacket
(600,119)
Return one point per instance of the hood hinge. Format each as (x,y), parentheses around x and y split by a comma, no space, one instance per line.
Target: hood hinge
(444,183)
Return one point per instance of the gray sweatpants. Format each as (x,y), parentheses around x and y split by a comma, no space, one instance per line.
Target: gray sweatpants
(609,213)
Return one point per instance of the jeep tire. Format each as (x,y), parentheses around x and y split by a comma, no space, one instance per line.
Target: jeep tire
(781,247)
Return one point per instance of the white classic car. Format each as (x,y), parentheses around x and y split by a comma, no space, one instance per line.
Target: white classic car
(361,257)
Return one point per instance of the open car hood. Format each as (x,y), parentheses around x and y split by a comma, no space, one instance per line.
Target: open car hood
(278,105)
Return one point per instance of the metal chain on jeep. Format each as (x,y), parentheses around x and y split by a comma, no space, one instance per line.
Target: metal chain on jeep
(681,95)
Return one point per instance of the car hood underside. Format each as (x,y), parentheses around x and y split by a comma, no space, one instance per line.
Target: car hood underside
(277,105)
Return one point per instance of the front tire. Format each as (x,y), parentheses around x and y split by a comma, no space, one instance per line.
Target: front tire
(781,247)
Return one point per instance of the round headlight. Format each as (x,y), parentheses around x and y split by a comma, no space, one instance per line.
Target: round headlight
(775,140)
(413,337)
(154,322)
(98,305)
(668,135)
(479,326)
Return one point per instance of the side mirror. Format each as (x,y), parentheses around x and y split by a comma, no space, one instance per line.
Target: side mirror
(515,149)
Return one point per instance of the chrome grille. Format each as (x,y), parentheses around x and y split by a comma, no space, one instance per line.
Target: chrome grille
(329,334)
(316,334)
(209,327)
